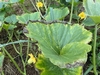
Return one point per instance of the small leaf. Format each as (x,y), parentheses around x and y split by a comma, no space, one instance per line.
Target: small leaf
(11,19)
(1,4)
(88,22)
(8,26)
(2,15)
(56,14)
(24,18)
(14,1)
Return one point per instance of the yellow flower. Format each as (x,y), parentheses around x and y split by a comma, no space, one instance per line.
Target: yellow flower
(32,59)
(82,15)
(39,4)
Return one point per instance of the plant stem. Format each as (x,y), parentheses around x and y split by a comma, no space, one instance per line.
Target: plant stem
(21,55)
(94,51)
(70,20)
(33,5)
(13,60)
(28,48)
(88,70)
(10,38)
(44,5)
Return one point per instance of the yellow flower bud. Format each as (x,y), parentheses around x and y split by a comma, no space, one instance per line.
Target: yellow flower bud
(82,15)
(39,4)
(32,59)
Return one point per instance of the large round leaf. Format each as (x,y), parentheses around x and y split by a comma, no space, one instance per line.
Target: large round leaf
(61,43)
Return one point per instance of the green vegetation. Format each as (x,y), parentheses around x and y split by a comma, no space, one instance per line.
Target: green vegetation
(59,37)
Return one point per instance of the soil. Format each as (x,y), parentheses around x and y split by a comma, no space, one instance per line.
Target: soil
(8,67)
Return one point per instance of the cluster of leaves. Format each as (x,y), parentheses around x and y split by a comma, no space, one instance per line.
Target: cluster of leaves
(59,43)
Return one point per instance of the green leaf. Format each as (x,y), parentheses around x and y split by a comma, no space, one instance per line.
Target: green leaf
(62,44)
(11,19)
(35,16)
(70,54)
(21,1)
(2,15)
(88,22)
(56,14)
(73,71)
(1,4)
(1,60)
(92,9)
(14,1)
(47,67)
(9,26)
(24,18)
(98,59)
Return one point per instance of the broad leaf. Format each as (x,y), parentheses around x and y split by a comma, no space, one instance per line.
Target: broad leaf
(92,9)
(62,44)
(56,14)
(49,68)
(24,18)
(73,71)
(70,54)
